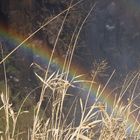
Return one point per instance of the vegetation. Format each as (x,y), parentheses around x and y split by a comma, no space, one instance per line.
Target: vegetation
(96,122)
(56,120)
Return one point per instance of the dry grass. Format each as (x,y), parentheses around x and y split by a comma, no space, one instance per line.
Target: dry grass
(96,123)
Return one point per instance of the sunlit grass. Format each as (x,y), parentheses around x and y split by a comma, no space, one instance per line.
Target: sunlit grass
(95,122)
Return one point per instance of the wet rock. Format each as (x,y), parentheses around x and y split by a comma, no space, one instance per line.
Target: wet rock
(110,37)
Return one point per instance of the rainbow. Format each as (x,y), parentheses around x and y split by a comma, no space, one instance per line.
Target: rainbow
(44,52)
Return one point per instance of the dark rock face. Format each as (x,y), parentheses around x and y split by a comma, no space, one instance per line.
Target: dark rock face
(114,35)
(3,22)
(13,15)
